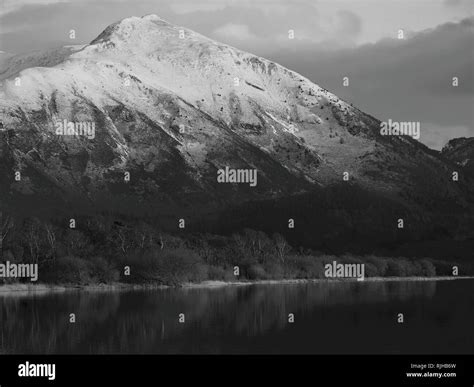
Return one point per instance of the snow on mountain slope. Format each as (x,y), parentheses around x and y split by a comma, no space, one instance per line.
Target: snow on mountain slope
(11,64)
(172,107)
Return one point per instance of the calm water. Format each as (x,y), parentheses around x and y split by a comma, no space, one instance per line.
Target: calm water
(329,318)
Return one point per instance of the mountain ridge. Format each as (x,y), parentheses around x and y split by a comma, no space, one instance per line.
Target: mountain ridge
(169,111)
(461,151)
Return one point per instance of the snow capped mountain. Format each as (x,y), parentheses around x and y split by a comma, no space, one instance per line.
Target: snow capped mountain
(172,107)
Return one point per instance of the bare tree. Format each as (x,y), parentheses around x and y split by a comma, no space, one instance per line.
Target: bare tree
(141,233)
(206,250)
(240,242)
(123,240)
(33,240)
(162,244)
(141,237)
(51,237)
(281,246)
(144,236)
(6,224)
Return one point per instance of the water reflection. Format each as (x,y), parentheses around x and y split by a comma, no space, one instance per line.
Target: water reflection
(329,318)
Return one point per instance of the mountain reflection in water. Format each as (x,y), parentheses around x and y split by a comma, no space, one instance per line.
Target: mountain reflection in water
(329,318)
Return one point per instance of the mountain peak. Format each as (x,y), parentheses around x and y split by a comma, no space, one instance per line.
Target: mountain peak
(134,25)
(175,107)
(153,17)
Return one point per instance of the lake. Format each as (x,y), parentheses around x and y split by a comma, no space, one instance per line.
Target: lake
(329,318)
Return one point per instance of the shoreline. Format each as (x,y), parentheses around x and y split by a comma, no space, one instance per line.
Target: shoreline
(23,289)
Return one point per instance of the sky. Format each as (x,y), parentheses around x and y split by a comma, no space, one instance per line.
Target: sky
(406,79)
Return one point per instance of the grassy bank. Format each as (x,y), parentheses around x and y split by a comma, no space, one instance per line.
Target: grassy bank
(21,289)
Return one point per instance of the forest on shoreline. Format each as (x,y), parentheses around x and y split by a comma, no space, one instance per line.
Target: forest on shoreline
(106,251)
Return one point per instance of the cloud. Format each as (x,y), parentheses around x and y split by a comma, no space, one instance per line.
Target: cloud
(458,3)
(234,31)
(339,24)
(253,25)
(191,6)
(348,24)
(39,26)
